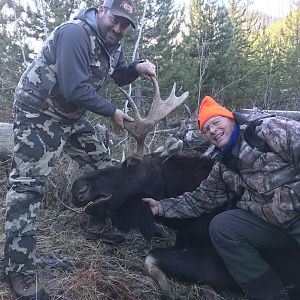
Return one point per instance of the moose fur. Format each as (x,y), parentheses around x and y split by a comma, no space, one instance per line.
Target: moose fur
(119,189)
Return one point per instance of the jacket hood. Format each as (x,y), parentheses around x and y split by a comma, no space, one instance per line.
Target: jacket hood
(89,16)
(245,119)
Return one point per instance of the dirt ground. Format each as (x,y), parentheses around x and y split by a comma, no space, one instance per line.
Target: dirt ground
(73,268)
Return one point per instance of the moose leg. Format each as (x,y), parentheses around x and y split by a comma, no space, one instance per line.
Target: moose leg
(202,266)
(153,270)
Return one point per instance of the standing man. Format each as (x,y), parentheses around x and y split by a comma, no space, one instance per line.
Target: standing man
(257,160)
(53,94)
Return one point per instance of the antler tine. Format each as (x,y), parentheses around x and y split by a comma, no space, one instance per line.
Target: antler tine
(173,89)
(135,128)
(156,97)
(174,99)
(160,108)
(140,127)
(135,112)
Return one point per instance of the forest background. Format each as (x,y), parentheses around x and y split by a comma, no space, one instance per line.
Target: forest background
(241,57)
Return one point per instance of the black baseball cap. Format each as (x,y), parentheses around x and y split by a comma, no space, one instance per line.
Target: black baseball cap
(122,8)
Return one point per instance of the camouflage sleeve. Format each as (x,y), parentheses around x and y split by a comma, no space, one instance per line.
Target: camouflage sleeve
(282,135)
(264,211)
(207,197)
(293,141)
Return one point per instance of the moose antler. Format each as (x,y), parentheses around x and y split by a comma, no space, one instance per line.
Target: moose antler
(140,127)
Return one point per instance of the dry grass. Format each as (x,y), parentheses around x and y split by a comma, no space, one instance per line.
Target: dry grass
(73,268)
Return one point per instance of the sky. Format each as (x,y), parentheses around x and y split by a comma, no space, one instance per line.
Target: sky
(277,8)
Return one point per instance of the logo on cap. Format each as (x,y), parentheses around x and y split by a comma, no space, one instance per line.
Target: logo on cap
(126,6)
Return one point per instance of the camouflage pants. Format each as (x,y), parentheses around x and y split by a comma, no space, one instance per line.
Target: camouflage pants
(39,141)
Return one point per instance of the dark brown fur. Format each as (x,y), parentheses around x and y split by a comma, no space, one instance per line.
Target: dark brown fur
(193,257)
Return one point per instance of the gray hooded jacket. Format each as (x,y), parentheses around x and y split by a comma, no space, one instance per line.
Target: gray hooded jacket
(73,64)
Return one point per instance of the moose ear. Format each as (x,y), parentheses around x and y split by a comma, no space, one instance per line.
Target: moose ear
(132,161)
(172,145)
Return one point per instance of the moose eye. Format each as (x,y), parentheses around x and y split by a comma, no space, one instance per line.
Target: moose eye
(131,161)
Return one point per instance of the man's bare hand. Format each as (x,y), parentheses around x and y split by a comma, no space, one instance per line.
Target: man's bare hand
(153,205)
(118,117)
(146,69)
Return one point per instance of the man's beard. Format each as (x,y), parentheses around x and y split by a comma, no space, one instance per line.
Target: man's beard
(114,40)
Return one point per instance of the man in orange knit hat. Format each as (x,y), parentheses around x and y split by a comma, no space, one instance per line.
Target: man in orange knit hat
(257,162)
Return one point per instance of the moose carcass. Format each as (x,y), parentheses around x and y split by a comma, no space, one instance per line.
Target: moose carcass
(193,258)
(119,189)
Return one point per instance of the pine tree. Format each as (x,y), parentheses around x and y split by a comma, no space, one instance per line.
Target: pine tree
(14,54)
(279,78)
(206,47)
(157,44)
(219,51)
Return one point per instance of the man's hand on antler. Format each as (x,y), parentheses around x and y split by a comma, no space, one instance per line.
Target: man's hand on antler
(146,69)
(118,117)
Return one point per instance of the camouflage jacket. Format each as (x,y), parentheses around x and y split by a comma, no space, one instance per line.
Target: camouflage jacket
(266,183)
(74,63)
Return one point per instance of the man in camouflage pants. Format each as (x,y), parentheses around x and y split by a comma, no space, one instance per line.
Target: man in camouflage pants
(257,162)
(50,101)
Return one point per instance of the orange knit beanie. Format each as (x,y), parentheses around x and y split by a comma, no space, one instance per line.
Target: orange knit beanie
(209,108)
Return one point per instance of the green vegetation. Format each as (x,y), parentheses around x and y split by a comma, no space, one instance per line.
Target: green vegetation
(239,57)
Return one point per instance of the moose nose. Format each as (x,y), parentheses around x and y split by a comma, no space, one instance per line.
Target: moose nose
(82,191)
(79,194)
